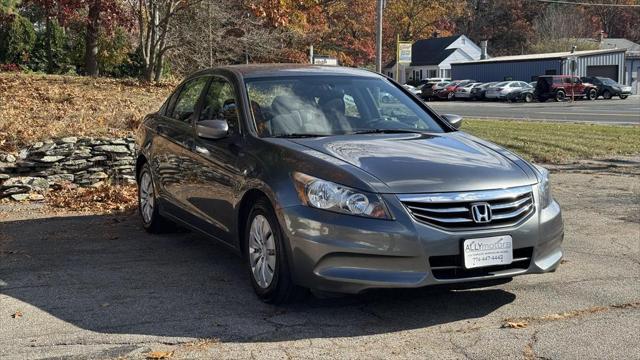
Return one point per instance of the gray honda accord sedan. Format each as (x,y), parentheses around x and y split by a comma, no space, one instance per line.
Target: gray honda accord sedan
(340,180)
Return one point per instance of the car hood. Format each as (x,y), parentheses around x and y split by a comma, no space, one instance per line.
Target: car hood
(419,163)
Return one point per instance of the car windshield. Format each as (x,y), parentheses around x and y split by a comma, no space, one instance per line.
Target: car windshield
(308,106)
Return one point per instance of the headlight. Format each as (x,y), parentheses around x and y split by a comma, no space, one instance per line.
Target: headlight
(334,197)
(544,188)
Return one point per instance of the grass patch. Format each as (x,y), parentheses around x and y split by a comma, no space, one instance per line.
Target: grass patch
(553,142)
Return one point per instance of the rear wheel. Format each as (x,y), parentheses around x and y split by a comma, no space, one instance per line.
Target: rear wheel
(607,94)
(152,221)
(450,96)
(624,96)
(267,258)
(560,95)
(592,94)
(528,98)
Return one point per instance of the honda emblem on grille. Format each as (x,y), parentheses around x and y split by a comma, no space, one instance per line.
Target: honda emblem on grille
(481,212)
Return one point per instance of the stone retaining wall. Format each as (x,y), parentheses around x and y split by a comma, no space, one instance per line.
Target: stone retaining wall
(79,161)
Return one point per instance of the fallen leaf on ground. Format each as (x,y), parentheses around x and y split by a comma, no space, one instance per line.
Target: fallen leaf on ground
(17,314)
(158,355)
(515,324)
(106,198)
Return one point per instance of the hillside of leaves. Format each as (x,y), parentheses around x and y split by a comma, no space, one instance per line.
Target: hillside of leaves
(38,107)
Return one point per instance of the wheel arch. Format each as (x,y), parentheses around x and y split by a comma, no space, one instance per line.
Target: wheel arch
(140,161)
(244,207)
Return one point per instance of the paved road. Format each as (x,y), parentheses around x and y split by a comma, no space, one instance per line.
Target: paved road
(99,287)
(601,111)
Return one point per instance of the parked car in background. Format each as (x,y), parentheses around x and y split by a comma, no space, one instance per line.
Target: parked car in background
(412,89)
(438,79)
(429,90)
(525,93)
(271,161)
(478,92)
(449,91)
(608,88)
(559,87)
(464,92)
(501,90)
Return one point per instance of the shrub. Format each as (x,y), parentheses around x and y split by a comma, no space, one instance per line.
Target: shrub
(17,38)
(50,52)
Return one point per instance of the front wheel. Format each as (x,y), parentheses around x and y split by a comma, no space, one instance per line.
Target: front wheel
(560,95)
(624,96)
(450,96)
(528,98)
(592,94)
(267,258)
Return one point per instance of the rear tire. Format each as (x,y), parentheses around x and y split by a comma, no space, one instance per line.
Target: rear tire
(450,96)
(624,96)
(266,257)
(528,98)
(560,95)
(148,207)
(607,94)
(592,94)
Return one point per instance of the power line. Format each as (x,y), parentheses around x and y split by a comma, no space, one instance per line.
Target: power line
(586,4)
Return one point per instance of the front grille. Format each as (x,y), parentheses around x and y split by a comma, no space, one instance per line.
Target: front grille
(451,267)
(452,211)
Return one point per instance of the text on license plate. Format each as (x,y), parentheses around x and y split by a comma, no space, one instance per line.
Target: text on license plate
(495,250)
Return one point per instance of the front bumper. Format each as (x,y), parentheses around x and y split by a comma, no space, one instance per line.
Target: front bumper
(341,253)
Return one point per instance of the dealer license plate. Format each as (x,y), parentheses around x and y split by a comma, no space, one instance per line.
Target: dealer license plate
(480,252)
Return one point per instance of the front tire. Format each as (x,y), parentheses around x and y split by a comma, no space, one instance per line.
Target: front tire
(152,221)
(266,257)
(528,98)
(560,95)
(450,96)
(624,96)
(592,94)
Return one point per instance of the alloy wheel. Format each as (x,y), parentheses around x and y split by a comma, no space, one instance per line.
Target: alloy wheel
(146,194)
(262,251)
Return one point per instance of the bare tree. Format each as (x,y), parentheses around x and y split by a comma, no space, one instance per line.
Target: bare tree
(221,32)
(559,28)
(155,19)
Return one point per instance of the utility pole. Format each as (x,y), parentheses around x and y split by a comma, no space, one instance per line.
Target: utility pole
(379,9)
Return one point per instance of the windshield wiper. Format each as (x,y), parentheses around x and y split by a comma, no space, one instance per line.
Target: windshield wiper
(299,135)
(388,131)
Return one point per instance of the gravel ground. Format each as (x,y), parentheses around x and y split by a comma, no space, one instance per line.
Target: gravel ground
(97,286)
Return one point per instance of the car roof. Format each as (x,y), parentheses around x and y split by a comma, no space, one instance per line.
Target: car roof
(269,70)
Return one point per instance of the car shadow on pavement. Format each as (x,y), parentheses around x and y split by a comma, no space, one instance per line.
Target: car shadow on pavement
(106,275)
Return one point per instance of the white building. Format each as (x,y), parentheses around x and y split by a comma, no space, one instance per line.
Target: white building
(432,58)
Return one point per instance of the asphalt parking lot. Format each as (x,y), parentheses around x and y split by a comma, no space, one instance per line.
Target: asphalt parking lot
(97,286)
(614,111)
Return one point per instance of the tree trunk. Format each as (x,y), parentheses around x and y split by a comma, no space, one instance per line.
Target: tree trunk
(91,39)
(47,45)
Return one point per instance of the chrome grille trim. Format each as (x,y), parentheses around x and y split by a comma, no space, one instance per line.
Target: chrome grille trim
(452,211)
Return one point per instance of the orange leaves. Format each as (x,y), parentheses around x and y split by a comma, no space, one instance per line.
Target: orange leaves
(106,198)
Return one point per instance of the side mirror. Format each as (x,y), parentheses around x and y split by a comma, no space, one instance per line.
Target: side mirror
(212,129)
(454,120)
